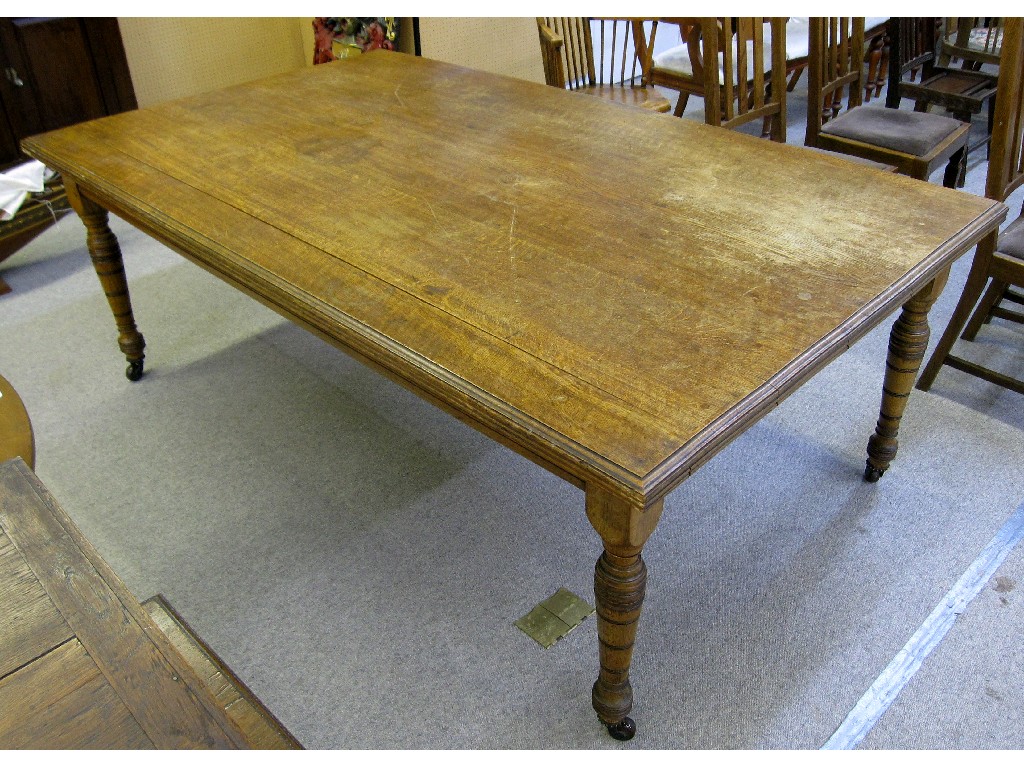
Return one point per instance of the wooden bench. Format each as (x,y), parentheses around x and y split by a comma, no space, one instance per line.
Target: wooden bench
(84,665)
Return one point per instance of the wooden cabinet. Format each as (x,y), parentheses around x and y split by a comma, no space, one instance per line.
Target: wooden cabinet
(56,72)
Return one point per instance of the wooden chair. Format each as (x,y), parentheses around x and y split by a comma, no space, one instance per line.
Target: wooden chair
(1000,263)
(728,62)
(744,69)
(916,143)
(876,51)
(680,68)
(568,51)
(963,92)
(913,47)
(970,41)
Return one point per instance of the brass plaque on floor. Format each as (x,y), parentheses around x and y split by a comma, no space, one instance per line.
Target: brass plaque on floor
(554,618)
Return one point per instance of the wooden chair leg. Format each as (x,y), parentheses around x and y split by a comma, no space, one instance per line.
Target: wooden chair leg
(795,78)
(874,59)
(973,287)
(983,312)
(883,67)
(837,104)
(955,169)
(681,104)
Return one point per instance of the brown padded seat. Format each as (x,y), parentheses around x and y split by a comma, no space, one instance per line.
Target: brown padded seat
(914,133)
(1011,240)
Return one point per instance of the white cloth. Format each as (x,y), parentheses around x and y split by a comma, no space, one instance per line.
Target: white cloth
(18,183)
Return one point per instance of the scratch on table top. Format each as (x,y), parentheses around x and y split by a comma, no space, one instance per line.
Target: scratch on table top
(399,97)
(512,255)
(440,223)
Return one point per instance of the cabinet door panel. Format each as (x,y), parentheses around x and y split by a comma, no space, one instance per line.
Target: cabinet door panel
(52,59)
(59,71)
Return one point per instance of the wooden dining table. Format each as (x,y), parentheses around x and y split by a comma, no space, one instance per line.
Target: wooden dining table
(614,294)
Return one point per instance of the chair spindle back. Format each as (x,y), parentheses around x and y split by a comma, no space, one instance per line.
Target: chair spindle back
(912,49)
(834,65)
(741,81)
(579,63)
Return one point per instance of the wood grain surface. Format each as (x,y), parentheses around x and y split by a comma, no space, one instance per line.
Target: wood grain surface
(613,293)
(262,730)
(62,701)
(81,663)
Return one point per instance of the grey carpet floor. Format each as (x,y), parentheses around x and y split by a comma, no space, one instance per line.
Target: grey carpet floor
(359,558)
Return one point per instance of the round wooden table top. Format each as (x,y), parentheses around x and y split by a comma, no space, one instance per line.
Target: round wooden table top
(16,437)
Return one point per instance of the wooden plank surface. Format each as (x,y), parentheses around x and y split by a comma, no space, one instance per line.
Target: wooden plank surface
(618,293)
(30,624)
(63,701)
(262,730)
(159,689)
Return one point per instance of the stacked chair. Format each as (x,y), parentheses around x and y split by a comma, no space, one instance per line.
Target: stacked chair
(998,262)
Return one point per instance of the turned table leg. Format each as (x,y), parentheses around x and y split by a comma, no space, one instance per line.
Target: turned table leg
(907,345)
(619,580)
(106,259)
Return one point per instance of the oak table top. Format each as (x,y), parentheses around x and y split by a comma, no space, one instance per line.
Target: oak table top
(612,293)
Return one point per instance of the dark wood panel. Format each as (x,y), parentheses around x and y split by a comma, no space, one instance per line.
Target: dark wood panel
(112,75)
(8,141)
(54,62)
(57,72)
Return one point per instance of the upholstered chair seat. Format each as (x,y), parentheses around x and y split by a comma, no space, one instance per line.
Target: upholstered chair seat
(1011,240)
(914,133)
